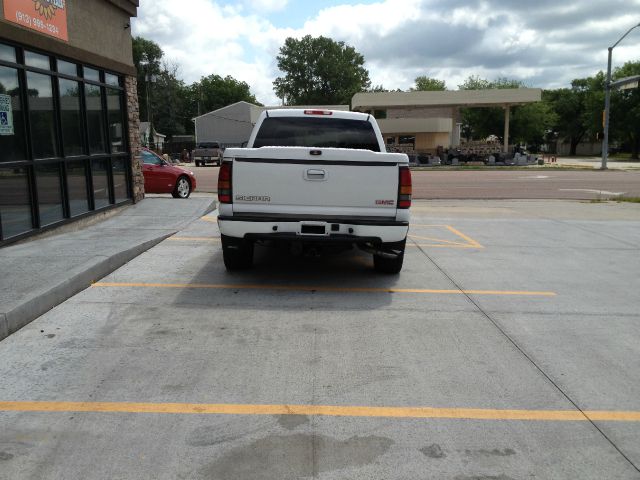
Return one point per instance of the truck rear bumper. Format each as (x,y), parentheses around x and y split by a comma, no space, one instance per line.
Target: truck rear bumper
(320,231)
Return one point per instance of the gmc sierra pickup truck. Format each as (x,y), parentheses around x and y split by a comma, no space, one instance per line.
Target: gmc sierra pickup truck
(314,179)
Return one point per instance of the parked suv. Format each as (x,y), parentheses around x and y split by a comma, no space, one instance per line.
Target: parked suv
(207,153)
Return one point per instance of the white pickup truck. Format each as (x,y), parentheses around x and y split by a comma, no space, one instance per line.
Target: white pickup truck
(315,179)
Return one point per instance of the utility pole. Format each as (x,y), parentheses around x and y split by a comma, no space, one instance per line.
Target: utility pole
(607,101)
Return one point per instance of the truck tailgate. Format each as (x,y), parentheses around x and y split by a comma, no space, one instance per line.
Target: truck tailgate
(315,181)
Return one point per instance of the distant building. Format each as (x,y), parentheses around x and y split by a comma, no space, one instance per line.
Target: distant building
(231,125)
(146,137)
(423,121)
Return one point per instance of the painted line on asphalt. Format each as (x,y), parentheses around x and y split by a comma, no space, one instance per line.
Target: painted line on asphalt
(302,288)
(323,410)
(209,219)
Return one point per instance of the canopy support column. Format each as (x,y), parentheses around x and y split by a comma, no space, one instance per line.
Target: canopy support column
(507,111)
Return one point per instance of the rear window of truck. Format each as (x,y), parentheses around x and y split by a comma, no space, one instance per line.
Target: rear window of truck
(316,132)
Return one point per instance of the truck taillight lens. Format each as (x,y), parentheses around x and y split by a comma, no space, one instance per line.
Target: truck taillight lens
(404,188)
(224,183)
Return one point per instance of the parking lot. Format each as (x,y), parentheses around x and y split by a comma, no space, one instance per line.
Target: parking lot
(507,348)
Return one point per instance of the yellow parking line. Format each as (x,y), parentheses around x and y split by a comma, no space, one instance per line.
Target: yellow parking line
(301,288)
(448,242)
(210,219)
(467,238)
(434,245)
(471,243)
(323,410)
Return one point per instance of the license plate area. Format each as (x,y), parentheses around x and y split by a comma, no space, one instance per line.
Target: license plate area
(313,229)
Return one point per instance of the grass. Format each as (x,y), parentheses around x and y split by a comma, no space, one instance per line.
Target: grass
(616,199)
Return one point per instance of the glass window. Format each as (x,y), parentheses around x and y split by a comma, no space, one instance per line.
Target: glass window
(49,194)
(32,59)
(313,131)
(119,169)
(12,134)
(71,119)
(95,119)
(114,107)
(149,158)
(67,68)
(15,204)
(77,187)
(91,74)
(43,131)
(7,53)
(111,79)
(100,182)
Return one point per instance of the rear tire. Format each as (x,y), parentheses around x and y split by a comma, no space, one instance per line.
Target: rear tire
(388,265)
(182,188)
(237,253)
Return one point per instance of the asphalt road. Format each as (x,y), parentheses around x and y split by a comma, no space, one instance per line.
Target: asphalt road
(506,349)
(505,184)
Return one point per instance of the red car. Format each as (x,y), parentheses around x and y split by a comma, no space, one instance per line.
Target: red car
(162,177)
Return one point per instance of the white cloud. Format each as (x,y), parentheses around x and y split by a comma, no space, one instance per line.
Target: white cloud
(449,39)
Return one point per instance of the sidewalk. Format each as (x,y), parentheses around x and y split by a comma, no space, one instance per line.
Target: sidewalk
(595,162)
(41,273)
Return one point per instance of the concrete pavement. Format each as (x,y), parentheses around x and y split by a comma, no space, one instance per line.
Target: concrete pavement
(45,271)
(596,162)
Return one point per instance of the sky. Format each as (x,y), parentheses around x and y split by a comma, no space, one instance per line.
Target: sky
(545,44)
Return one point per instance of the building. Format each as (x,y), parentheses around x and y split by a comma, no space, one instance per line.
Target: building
(68,112)
(423,121)
(231,125)
(146,139)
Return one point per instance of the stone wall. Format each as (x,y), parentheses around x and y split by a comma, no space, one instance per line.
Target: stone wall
(133,117)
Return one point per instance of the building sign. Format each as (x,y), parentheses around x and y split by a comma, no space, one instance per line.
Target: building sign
(6,115)
(44,16)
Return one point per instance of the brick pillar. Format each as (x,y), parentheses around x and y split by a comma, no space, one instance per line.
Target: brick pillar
(133,115)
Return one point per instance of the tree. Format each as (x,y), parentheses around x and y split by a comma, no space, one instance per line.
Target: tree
(214,92)
(482,122)
(427,84)
(531,123)
(625,110)
(168,103)
(319,71)
(578,109)
(527,124)
(147,56)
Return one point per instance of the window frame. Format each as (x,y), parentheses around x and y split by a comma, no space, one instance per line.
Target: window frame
(30,164)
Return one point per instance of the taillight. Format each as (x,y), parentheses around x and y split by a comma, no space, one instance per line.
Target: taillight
(404,188)
(224,183)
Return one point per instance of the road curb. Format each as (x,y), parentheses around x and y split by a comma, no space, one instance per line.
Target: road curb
(15,319)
